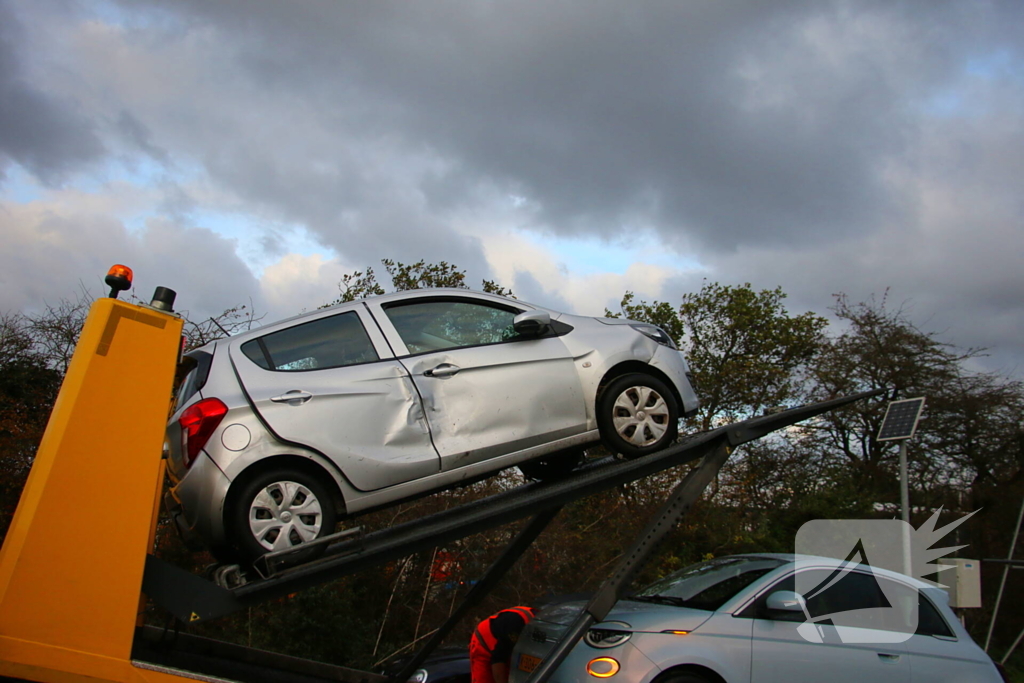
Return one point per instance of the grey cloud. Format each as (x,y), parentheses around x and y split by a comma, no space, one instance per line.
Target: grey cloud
(527,288)
(140,137)
(785,143)
(605,115)
(38,130)
(49,256)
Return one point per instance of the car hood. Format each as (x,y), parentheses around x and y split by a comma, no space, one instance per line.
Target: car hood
(641,616)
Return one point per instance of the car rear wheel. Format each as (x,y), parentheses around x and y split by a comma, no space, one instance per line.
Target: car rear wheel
(637,415)
(281,509)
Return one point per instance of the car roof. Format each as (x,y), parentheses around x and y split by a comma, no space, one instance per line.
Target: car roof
(811,561)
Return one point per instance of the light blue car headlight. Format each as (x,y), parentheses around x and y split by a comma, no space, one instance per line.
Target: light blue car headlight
(656,333)
(608,637)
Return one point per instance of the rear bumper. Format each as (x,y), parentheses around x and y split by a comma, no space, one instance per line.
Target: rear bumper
(174,511)
(196,503)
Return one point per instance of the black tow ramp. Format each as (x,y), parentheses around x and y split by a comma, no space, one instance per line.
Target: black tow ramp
(178,591)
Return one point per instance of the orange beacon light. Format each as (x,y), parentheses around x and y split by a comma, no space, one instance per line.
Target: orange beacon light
(119,278)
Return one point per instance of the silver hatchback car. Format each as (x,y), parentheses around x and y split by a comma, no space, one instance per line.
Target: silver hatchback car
(738,619)
(278,432)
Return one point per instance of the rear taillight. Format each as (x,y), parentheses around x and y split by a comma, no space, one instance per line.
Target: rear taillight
(197,425)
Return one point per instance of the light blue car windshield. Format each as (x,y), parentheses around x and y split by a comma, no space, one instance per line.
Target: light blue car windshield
(707,585)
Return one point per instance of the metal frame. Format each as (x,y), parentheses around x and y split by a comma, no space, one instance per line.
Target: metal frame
(192,598)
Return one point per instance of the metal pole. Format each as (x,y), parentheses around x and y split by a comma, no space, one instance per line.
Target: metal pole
(679,502)
(905,505)
(1002,583)
(513,552)
(1012,647)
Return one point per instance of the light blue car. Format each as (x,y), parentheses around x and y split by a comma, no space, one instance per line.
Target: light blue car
(738,619)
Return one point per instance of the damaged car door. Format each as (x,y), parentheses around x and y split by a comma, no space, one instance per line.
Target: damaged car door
(487,389)
(332,385)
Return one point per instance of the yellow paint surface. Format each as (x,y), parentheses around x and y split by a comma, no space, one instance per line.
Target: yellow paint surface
(71,565)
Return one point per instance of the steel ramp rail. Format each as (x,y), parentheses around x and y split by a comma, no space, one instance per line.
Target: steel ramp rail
(192,598)
(686,493)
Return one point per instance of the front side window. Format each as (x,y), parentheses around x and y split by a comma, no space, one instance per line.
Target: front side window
(848,598)
(332,342)
(445,324)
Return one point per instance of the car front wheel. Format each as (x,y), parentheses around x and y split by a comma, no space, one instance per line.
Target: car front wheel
(281,509)
(637,415)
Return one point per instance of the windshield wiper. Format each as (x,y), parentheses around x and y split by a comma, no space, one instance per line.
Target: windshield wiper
(659,599)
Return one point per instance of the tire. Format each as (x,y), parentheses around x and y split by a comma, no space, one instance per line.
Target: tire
(554,466)
(637,414)
(280,509)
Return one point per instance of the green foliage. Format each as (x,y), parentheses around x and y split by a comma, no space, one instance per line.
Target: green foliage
(969,436)
(419,275)
(747,353)
(422,275)
(659,313)
(28,388)
(357,285)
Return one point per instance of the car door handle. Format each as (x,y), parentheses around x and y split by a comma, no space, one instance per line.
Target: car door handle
(295,396)
(443,370)
(886,657)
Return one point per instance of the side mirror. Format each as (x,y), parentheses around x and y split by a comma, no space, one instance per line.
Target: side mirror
(531,323)
(788,602)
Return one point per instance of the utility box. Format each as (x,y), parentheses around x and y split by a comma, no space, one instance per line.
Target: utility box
(962,582)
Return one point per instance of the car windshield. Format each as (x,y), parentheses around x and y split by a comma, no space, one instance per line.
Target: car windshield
(709,584)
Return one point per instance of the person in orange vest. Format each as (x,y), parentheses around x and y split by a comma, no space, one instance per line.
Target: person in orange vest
(490,648)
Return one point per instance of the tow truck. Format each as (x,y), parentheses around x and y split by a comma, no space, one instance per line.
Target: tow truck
(70,610)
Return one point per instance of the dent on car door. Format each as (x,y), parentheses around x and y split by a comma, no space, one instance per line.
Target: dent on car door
(486,390)
(323,384)
(817,645)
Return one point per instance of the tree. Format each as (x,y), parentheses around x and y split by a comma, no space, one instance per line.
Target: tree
(28,388)
(232,321)
(747,353)
(54,331)
(419,275)
(966,417)
(35,352)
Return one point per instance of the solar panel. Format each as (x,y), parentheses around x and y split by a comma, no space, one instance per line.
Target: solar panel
(901,419)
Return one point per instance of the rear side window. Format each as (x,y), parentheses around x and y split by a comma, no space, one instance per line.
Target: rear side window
(191,375)
(332,342)
(929,621)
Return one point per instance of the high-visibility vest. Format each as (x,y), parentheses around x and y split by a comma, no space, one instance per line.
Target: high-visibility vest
(483,634)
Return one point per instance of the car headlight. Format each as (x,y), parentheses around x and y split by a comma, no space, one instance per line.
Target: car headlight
(419,677)
(656,333)
(607,637)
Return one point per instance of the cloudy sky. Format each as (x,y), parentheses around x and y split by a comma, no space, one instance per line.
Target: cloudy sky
(256,150)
